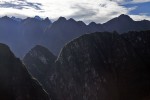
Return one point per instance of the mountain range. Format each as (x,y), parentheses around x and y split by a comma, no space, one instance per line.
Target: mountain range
(96,66)
(23,34)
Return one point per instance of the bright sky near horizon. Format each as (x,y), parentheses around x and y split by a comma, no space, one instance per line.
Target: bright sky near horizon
(99,11)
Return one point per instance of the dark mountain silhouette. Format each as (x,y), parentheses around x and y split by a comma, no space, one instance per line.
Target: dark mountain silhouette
(101,66)
(38,18)
(22,35)
(124,23)
(15,81)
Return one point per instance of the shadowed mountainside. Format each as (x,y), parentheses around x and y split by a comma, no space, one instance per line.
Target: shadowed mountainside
(15,81)
(101,66)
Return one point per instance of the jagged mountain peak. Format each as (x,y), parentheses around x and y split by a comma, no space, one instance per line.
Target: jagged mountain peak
(125,17)
(81,23)
(120,19)
(38,18)
(92,24)
(41,54)
(72,20)
(6,19)
(61,19)
(47,20)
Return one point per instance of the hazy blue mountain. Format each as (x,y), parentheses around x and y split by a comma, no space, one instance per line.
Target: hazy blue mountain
(9,32)
(100,66)
(31,31)
(38,18)
(23,35)
(121,24)
(15,81)
(61,32)
(93,27)
(124,23)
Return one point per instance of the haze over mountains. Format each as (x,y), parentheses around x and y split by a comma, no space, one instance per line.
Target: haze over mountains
(23,34)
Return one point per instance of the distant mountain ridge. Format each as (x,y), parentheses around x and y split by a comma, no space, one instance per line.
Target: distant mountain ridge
(23,34)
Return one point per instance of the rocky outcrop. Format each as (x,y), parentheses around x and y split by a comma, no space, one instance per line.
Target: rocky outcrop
(15,81)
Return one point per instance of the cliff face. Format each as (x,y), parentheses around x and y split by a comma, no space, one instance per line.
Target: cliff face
(15,81)
(102,66)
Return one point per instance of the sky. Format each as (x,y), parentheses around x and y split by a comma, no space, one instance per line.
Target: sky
(98,11)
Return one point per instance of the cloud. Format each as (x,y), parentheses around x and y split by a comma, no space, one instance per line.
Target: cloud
(140,1)
(140,17)
(134,1)
(20,4)
(99,11)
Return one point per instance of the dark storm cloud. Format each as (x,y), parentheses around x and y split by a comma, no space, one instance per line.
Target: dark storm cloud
(20,4)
